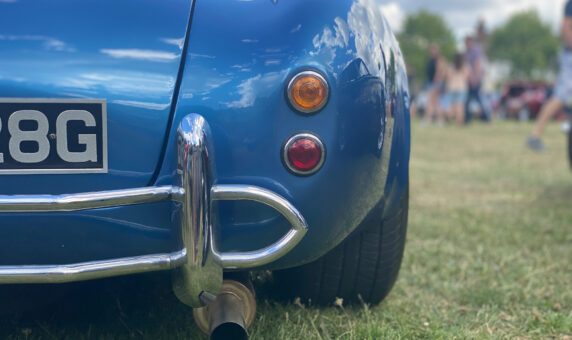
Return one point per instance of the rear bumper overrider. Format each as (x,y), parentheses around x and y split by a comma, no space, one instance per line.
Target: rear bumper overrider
(198,266)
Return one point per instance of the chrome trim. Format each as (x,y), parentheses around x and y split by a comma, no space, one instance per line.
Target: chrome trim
(294,138)
(237,260)
(198,266)
(321,78)
(202,270)
(90,270)
(90,200)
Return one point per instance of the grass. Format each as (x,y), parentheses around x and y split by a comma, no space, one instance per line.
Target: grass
(488,256)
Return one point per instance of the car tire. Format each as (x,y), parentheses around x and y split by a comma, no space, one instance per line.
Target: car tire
(363,268)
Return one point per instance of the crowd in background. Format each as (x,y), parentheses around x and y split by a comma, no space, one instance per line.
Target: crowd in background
(452,86)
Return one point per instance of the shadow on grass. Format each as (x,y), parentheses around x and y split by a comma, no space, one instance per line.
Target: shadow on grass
(139,306)
(555,195)
(130,307)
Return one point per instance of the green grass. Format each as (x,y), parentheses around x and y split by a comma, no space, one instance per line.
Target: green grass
(488,255)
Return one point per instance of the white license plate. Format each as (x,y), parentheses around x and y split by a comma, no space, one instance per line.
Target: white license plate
(52,136)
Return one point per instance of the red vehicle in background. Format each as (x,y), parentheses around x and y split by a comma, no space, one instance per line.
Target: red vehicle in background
(523,99)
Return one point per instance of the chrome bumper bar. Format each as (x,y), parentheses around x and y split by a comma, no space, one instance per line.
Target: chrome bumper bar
(91,270)
(197,267)
(90,200)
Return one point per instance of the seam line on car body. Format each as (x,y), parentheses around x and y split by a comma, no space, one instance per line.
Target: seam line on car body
(175,98)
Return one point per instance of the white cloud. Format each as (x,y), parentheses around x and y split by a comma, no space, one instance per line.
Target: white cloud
(146,85)
(179,42)
(394,15)
(198,55)
(149,55)
(296,29)
(141,104)
(251,87)
(272,62)
(48,43)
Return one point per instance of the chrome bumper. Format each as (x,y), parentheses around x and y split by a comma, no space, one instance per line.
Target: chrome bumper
(197,267)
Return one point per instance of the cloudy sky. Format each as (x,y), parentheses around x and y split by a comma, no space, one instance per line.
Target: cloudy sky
(461,15)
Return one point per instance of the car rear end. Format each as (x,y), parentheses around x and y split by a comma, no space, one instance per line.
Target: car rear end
(144,136)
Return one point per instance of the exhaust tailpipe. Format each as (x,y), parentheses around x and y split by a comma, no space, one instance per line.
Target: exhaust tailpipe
(230,314)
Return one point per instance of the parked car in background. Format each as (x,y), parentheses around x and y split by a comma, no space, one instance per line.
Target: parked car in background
(204,138)
(523,99)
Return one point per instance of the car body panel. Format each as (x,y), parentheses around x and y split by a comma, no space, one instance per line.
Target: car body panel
(235,75)
(60,238)
(239,57)
(127,53)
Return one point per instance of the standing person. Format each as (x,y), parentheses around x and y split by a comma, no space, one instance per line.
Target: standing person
(563,89)
(436,71)
(475,59)
(457,84)
(488,87)
(482,36)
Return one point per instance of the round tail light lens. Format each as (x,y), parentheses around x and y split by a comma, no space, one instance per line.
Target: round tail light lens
(304,154)
(308,91)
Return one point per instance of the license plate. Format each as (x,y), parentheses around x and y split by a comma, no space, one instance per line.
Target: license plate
(52,136)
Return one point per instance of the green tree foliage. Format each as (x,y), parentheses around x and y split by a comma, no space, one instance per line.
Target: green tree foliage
(526,43)
(419,31)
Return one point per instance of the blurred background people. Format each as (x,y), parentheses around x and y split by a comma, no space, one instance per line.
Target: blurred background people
(457,85)
(482,36)
(436,74)
(488,86)
(476,60)
(563,90)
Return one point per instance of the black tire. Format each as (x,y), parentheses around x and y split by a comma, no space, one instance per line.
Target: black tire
(363,267)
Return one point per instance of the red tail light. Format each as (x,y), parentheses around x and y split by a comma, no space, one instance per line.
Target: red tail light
(304,154)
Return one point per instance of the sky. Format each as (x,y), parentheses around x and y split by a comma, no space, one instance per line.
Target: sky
(462,15)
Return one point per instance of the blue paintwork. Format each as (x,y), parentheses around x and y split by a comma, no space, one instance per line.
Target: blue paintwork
(127,52)
(240,54)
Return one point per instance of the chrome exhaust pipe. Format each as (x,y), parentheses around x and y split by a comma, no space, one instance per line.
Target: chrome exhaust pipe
(230,314)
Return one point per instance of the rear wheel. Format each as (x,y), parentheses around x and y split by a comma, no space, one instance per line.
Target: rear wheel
(363,267)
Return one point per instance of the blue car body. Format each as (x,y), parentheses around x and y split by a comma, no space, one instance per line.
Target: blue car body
(154,62)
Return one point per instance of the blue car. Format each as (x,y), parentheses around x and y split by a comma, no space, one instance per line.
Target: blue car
(207,138)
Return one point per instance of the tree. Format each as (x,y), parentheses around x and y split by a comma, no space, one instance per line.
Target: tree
(526,43)
(419,31)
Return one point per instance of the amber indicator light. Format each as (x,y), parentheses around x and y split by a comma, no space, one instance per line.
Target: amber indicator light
(308,91)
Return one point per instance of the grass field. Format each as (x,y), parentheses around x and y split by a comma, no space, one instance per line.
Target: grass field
(489,255)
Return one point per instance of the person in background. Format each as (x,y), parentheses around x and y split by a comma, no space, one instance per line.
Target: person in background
(475,60)
(457,84)
(482,36)
(563,88)
(436,73)
(413,89)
